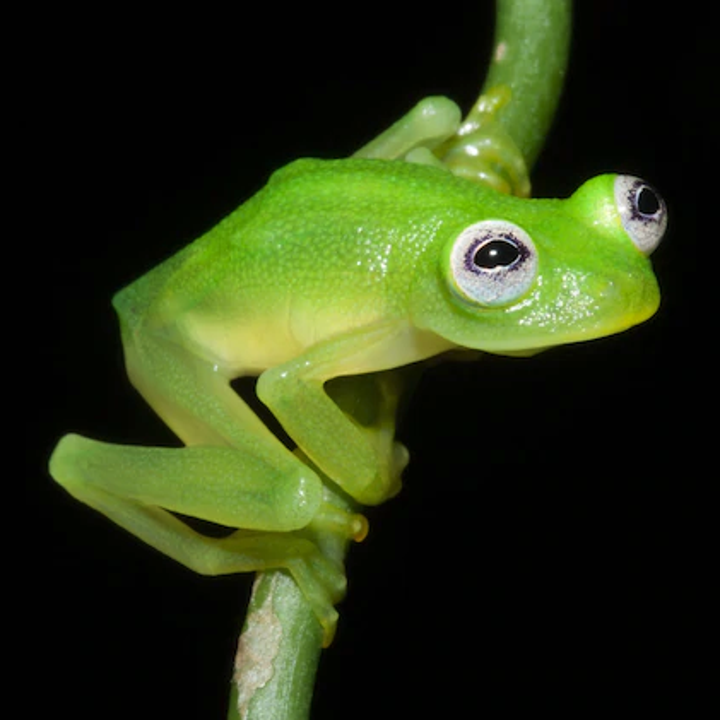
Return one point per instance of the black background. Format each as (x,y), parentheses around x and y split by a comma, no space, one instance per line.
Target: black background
(544,551)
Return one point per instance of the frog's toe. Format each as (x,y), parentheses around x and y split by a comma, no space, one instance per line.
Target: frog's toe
(323,583)
(400,459)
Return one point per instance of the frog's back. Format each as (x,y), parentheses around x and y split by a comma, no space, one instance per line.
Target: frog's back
(381,182)
(325,246)
(182,280)
(348,231)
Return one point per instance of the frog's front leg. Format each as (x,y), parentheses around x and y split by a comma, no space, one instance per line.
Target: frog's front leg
(477,149)
(431,122)
(363,459)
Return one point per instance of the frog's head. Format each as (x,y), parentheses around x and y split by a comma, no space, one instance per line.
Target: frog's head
(530,274)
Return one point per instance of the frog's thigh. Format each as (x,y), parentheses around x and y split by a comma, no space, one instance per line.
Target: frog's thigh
(234,472)
(214,483)
(192,393)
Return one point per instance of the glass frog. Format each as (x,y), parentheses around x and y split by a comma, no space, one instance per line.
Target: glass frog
(340,268)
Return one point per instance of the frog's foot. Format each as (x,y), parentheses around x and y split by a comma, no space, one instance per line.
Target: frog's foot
(348,526)
(323,584)
(321,579)
(393,458)
(482,150)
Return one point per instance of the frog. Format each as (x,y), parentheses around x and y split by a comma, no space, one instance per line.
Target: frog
(342,268)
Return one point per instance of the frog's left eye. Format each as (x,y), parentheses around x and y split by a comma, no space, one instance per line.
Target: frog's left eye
(493,262)
(642,212)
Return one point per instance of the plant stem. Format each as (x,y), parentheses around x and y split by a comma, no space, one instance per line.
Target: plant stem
(277,654)
(281,641)
(530,54)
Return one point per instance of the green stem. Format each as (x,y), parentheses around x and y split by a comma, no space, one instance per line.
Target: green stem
(277,654)
(530,54)
(281,641)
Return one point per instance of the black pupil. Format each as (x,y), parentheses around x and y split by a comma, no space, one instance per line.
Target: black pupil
(496,253)
(647,201)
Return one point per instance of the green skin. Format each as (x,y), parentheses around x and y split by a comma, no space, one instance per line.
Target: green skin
(335,268)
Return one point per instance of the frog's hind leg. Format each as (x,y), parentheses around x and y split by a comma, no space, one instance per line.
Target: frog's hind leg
(233,472)
(183,380)
(136,487)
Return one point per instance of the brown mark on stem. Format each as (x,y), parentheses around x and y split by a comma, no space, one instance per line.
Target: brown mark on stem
(257,649)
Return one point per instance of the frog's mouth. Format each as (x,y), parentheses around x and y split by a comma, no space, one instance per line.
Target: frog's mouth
(591,315)
(527,350)
(602,326)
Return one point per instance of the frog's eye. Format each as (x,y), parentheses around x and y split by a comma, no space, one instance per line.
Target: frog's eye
(493,262)
(642,212)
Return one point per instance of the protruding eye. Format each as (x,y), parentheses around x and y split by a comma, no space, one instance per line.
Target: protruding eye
(642,212)
(493,262)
